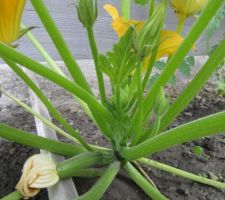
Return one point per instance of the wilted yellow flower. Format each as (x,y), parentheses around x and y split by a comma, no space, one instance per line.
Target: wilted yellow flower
(39,171)
(169,40)
(186,8)
(10,16)
(120,24)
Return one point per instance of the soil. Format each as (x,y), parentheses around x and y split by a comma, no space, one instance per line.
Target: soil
(211,163)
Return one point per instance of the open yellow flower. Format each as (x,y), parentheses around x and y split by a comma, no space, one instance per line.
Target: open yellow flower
(169,43)
(39,171)
(186,8)
(120,24)
(10,16)
(169,40)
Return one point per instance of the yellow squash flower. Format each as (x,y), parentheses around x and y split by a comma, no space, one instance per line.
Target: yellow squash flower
(169,40)
(39,171)
(169,43)
(186,8)
(10,16)
(120,24)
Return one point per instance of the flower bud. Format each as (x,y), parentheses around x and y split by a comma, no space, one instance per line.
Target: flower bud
(87,12)
(10,17)
(39,171)
(148,37)
(186,8)
(161,103)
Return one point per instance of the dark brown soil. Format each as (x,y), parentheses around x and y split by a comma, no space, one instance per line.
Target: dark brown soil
(211,163)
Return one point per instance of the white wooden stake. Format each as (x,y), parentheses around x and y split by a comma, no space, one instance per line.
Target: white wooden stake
(65,189)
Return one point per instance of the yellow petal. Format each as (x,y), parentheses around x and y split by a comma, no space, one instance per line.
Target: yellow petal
(10,16)
(170,41)
(112,11)
(120,24)
(39,171)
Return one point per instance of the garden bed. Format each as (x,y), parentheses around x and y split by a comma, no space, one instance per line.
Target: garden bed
(210,163)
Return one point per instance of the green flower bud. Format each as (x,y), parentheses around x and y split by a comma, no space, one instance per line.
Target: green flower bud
(148,37)
(186,8)
(161,103)
(87,12)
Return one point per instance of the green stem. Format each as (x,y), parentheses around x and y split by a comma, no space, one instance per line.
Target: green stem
(155,128)
(210,125)
(151,8)
(95,56)
(147,187)
(35,141)
(99,188)
(48,105)
(56,68)
(118,101)
(67,168)
(40,117)
(13,196)
(88,173)
(180,26)
(147,75)
(125,6)
(144,174)
(194,86)
(42,51)
(178,57)
(92,114)
(118,137)
(96,107)
(149,69)
(181,173)
(138,129)
(60,44)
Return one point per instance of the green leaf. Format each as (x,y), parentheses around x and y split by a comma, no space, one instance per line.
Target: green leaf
(35,141)
(197,150)
(120,62)
(220,88)
(215,23)
(211,125)
(160,65)
(172,81)
(152,80)
(185,67)
(191,60)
